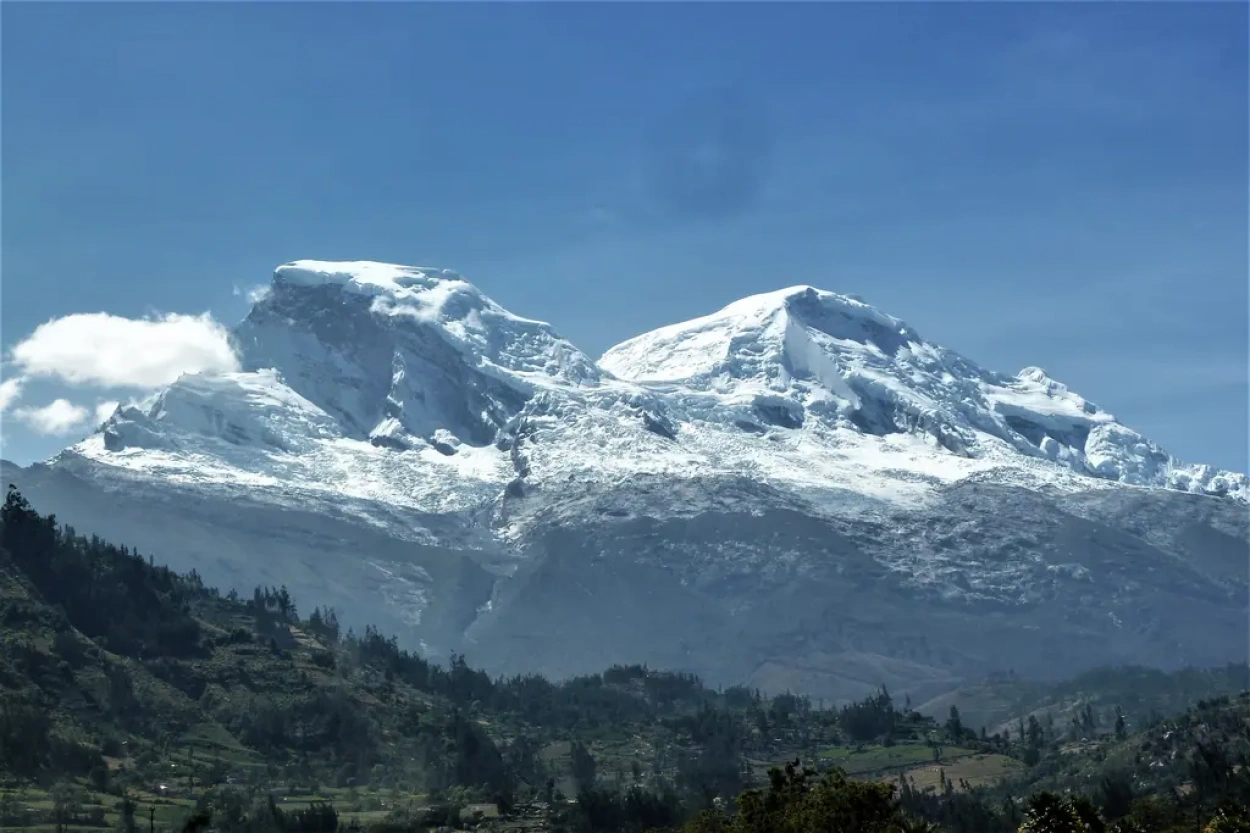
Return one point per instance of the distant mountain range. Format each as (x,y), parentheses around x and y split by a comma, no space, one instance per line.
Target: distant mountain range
(796,492)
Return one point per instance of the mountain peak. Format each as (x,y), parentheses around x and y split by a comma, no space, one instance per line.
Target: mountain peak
(803,357)
(399,356)
(364,276)
(804,298)
(421,293)
(350,305)
(771,340)
(418,359)
(381,345)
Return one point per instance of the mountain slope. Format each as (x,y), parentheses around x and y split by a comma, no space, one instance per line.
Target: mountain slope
(802,353)
(105,658)
(157,688)
(797,491)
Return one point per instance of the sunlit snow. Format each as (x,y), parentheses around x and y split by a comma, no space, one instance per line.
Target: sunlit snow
(368,384)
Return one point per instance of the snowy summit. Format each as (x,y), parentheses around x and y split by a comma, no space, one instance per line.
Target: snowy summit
(340,359)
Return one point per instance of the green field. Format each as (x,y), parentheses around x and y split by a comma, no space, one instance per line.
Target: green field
(871,759)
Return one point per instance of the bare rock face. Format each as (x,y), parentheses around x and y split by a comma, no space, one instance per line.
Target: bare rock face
(797,492)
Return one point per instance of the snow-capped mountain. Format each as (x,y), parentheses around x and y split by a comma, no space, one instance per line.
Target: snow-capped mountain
(796,491)
(802,354)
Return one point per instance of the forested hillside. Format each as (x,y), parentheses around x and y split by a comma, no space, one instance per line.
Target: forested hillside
(133,696)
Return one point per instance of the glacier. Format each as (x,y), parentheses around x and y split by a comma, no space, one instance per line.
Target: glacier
(731,494)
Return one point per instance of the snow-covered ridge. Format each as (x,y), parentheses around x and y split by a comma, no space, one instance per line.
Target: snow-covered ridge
(427,391)
(244,409)
(755,336)
(440,299)
(364,276)
(801,354)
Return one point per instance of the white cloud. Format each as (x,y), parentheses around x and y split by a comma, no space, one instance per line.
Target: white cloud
(104,410)
(253,294)
(57,417)
(10,390)
(111,351)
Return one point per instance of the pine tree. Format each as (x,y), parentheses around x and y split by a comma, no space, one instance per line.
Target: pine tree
(954,726)
(1088,722)
(583,768)
(1033,738)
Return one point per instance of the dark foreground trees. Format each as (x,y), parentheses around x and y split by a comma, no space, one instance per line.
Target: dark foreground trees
(796,801)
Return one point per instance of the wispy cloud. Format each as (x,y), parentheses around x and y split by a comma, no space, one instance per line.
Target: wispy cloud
(54,419)
(10,391)
(253,294)
(115,352)
(104,410)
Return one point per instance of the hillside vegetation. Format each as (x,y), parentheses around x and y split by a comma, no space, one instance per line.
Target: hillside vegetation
(131,696)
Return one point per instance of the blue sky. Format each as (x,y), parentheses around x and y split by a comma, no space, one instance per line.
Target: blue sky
(1062,185)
